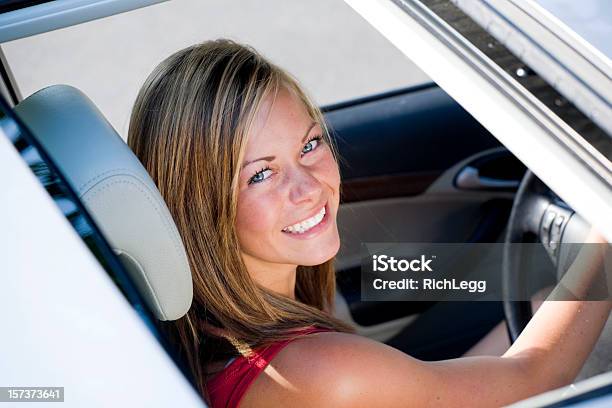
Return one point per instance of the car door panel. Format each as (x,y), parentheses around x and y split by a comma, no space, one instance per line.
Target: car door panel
(400,155)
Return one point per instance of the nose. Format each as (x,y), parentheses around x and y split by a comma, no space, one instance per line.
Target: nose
(304,187)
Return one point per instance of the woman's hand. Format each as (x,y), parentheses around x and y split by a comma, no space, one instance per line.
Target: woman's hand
(595,237)
(589,275)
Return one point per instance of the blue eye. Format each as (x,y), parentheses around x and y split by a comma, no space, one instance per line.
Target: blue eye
(260,176)
(311,145)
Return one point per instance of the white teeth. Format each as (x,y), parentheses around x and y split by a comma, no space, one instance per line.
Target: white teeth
(305,225)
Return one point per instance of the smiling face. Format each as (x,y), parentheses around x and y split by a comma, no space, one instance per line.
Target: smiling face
(288,190)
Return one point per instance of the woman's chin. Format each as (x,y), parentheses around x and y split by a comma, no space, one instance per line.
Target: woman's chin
(320,254)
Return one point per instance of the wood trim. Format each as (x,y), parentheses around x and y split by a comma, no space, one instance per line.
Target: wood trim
(387,186)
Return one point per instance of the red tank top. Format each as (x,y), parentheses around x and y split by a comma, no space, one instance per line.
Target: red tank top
(227,388)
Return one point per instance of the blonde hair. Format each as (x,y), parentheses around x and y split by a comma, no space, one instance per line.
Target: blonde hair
(188,127)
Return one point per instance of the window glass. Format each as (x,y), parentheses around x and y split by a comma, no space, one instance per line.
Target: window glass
(591,19)
(12,5)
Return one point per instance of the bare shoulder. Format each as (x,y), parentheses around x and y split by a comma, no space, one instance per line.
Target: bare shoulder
(334,369)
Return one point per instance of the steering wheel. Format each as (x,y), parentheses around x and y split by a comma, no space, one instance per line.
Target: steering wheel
(538,215)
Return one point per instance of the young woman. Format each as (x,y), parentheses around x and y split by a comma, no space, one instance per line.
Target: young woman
(248,170)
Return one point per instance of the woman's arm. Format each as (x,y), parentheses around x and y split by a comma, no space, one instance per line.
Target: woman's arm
(561,335)
(336,369)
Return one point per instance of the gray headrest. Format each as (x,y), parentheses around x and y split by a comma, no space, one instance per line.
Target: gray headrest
(117,191)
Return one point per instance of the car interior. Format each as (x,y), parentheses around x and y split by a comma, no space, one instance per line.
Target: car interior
(420,194)
(445,179)
(417,195)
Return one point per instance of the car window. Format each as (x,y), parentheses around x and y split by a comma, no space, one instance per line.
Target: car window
(591,19)
(11,5)
(323,43)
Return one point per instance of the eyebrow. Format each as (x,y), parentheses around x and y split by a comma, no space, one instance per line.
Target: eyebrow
(270,158)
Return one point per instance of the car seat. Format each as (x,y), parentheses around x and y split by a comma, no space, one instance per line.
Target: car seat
(117,192)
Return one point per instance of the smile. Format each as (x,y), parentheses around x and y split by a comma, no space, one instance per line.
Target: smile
(303,226)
